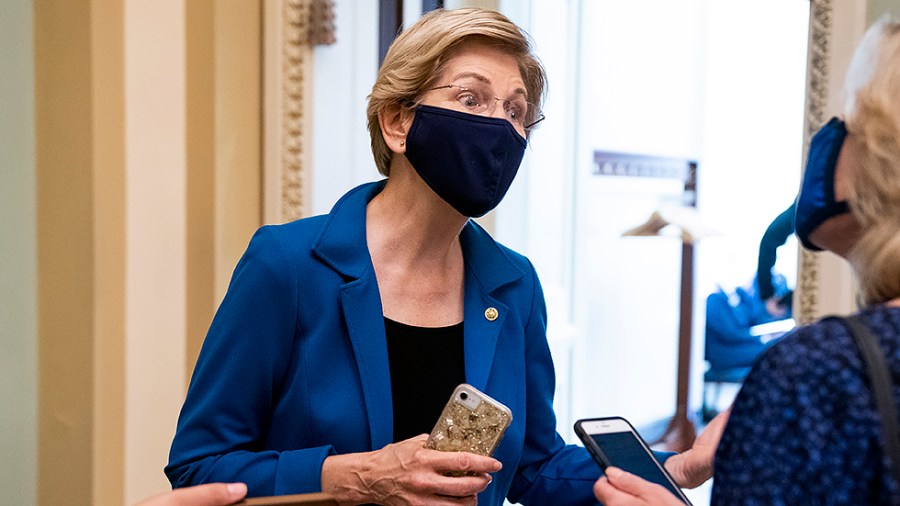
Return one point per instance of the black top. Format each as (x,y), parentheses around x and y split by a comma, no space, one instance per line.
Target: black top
(427,363)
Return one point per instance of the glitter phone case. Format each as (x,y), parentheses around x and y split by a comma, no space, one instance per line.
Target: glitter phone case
(471,422)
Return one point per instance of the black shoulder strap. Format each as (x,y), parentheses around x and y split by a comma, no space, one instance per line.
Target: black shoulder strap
(880,378)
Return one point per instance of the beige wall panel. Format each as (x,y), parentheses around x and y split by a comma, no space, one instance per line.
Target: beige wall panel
(273,83)
(201,180)
(65,249)
(155,238)
(238,128)
(224,136)
(108,68)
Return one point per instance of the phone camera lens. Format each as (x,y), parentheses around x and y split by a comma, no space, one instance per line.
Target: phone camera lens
(463,395)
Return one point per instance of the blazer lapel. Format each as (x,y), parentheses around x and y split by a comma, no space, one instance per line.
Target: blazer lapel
(484,317)
(488,268)
(342,245)
(365,324)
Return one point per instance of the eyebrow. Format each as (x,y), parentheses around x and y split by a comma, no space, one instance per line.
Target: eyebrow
(485,80)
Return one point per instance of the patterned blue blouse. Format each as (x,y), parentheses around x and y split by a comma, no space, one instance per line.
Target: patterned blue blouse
(804,428)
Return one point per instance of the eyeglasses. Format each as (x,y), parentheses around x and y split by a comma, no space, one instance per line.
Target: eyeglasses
(479,98)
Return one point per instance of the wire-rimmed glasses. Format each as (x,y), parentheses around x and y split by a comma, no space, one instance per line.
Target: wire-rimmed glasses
(478,98)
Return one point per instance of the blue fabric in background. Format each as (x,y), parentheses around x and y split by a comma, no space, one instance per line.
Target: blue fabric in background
(729,318)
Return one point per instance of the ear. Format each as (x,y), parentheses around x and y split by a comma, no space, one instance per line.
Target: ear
(394,121)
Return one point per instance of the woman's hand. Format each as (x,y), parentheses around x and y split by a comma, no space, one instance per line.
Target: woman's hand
(694,466)
(406,473)
(212,494)
(619,488)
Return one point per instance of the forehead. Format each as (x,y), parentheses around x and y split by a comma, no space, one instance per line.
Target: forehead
(498,67)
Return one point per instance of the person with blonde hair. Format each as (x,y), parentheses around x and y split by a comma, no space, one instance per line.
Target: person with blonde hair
(807,426)
(342,336)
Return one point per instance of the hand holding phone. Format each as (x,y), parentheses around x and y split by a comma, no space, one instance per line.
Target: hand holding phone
(470,422)
(613,441)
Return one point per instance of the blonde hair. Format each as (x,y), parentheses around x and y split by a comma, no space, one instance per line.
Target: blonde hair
(873,115)
(417,56)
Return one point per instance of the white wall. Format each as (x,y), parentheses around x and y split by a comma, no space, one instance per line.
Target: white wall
(343,77)
(640,92)
(18,270)
(156,177)
(753,129)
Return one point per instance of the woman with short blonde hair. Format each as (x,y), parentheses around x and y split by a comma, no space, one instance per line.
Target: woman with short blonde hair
(873,115)
(417,56)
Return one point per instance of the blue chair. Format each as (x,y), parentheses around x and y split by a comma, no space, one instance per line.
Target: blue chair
(731,345)
(716,378)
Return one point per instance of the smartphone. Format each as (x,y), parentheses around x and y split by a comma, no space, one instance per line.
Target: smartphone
(470,422)
(613,441)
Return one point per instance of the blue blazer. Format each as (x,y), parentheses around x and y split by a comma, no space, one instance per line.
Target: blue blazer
(295,365)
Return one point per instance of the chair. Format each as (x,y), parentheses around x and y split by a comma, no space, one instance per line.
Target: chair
(738,330)
(716,378)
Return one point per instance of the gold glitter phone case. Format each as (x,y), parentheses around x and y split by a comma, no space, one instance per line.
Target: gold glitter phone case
(471,422)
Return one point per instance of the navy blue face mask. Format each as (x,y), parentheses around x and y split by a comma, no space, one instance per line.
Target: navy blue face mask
(468,160)
(816,202)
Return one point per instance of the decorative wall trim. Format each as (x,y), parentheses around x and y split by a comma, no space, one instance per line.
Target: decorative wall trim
(291,29)
(295,54)
(287,59)
(817,91)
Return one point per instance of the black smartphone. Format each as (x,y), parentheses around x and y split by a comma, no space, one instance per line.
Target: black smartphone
(613,441)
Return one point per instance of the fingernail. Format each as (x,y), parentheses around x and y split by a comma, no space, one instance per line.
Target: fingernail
(497,466)
(237,489)
(613,472)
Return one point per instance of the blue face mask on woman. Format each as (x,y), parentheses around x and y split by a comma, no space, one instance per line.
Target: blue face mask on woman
(468,160)
(816,202)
